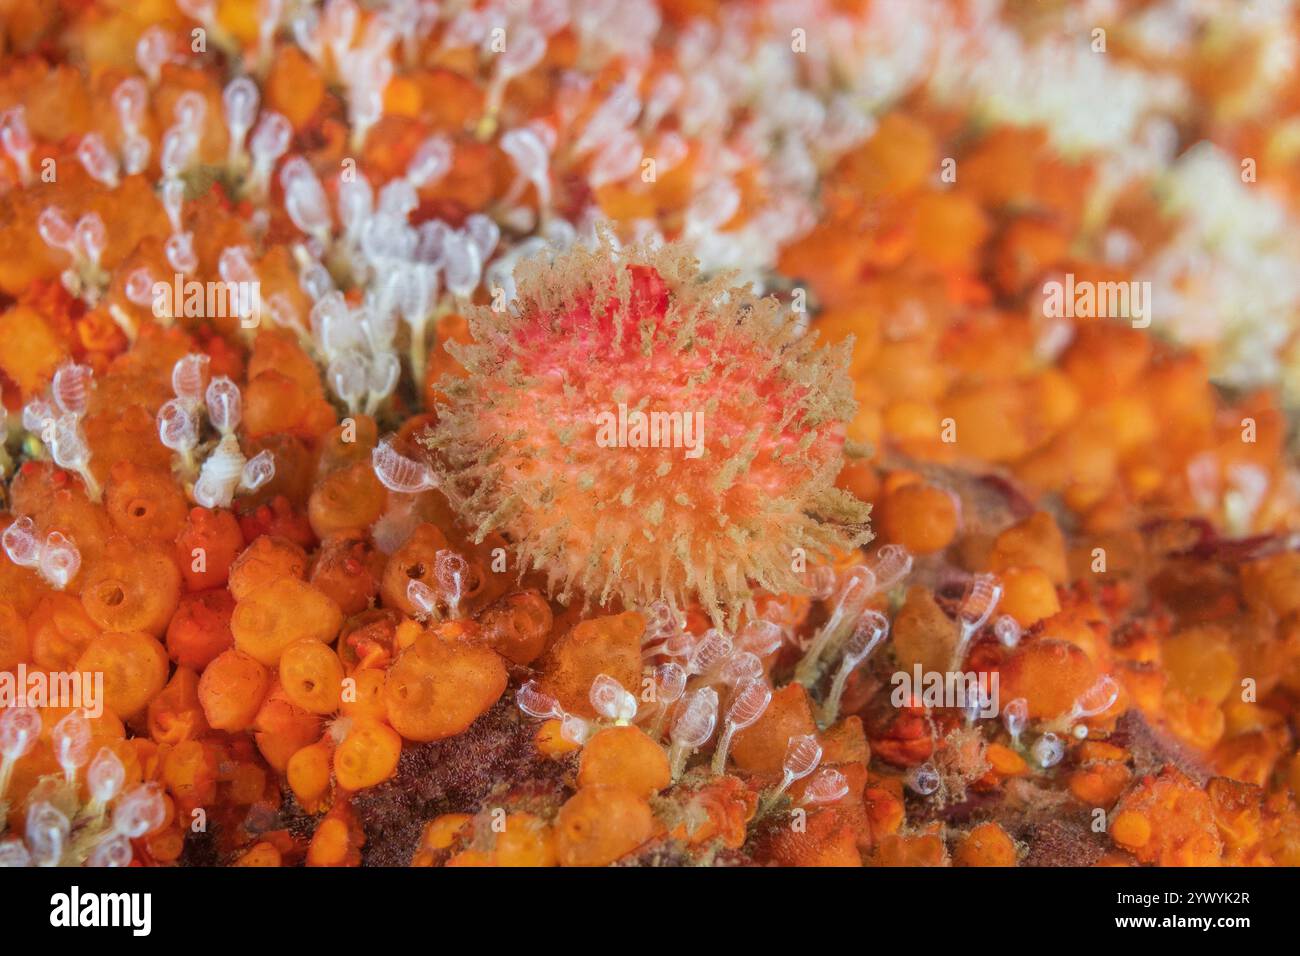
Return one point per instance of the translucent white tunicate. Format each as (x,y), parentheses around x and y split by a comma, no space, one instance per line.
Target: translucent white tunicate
(697,720)
(220,474)
(240,99)
(524,51)
(257,471)
(179,144)
(356,201)
(71,741)
(398,473)
(90,237)
(1007,630)
(893,563)
(681,644)
(105,775)
(670,682)
(398,198)
(867,635)
(761,638)
(740,667)
(431,241)
(431,162)
(38,417)
(462,267)
(1048,750)
(138,287)
(484,233)
(618,159)
(304,197)
(534,702)
(610,700)
(136,150)
(69,446)
(270,140)
(712,649)
(576,730)
(20,728)
(114,850)
(451,571)
(616,113)
(422,597)
(152,50)
(179,250)
(225,405)
(662,619)
(750,701)
(283,312)
(60,560)
(189,376)
(827,786)
(99,163)
(802,755)
(176,427)
(46,833)
(980,601)
(130,99)
(139,810)
(190,110)
(349,376)
(924,779)
(531,159)
(21,544)
(71,387)
(332,322)
(13,853)
(385,370)
(55,230)
(1097,699)
(1014,717)
(172,193)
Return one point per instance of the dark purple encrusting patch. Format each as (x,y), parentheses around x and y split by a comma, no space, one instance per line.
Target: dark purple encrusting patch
(1152,750)
(456,775)
(1067,840)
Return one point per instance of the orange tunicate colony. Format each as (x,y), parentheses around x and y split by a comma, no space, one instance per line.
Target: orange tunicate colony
(441,536)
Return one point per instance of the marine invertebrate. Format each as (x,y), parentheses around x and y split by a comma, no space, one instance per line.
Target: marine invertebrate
(536,443)
(513,325)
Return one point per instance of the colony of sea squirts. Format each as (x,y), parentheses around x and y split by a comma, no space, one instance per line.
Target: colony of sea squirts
(365,588)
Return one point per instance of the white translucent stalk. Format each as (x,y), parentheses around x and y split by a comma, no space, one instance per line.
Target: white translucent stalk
(850,603)
(802,755)
(693,728)
(866,637)
(751,700)
(976,608)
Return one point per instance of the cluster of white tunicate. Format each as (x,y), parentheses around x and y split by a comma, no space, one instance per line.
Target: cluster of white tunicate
(408,274)
(802,756)
(360,60)
(224,470)
(56,420)
(871,629)
(451,573)
(55,558)
(84,242)
(982,596)
(714,673)
(16,140)
(848,603)
(536,703)
(59,828)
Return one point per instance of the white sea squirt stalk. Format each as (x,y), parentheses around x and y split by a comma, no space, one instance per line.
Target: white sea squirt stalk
(693,727)
(748,703)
